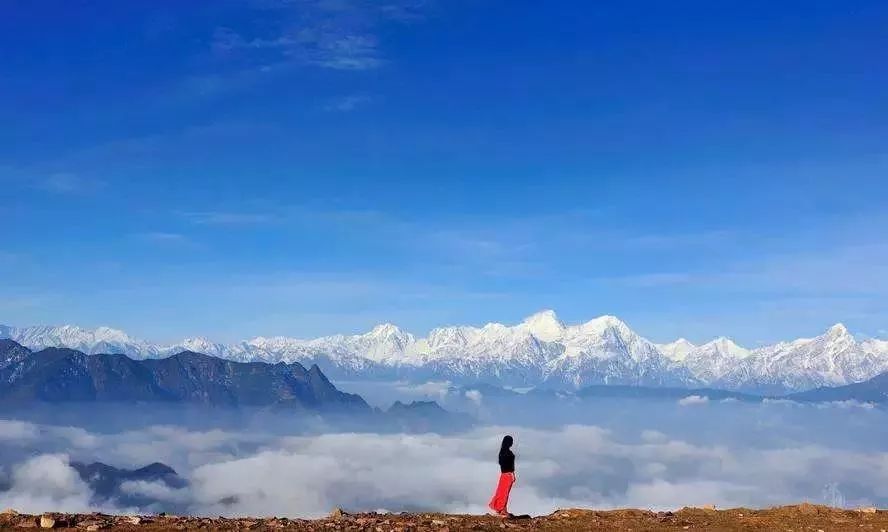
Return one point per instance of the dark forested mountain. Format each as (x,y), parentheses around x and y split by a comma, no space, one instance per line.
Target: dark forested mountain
(11,353)
(108,482)
(63,375)
(874,390)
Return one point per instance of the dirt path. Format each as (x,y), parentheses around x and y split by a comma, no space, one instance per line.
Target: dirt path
(804,517)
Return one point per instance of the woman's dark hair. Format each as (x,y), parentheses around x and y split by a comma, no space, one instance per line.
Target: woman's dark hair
(506,456)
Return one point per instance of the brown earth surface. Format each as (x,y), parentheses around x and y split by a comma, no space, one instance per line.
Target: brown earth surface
(804,517)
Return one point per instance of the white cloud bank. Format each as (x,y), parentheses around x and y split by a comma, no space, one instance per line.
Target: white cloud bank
(46,482)
(232,473)
(693,400)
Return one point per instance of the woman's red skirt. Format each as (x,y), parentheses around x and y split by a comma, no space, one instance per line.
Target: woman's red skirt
(500,500)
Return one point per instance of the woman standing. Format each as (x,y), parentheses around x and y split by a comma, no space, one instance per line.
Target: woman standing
(500,500)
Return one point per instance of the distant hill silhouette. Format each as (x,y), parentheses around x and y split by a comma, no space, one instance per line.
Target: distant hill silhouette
(639,392)
(106,481)
(58,378)
(874,390)
(66,375)
(421,416)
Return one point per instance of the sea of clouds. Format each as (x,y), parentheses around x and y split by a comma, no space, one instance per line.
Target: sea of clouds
(636,456)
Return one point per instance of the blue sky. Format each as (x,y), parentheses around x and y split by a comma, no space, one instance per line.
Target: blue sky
(305,167)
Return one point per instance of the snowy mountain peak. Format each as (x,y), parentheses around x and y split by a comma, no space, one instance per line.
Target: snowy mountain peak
(726,346)
(201,344)
(388,330)
(545,325)
(106,334)
(100,340)
(837,330)
(602,324)
(677,350)
(541,350)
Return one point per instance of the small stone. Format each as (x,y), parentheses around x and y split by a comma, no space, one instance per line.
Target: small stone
(93,528)
(868,509)
(9,511)
(708,507)
(47,521)
(134,519)
(438,522)
(337,513)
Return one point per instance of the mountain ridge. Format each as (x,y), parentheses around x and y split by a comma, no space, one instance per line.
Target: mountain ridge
(539,350)
(62,374)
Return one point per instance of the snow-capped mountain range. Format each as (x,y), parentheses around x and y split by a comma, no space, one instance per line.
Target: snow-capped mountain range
(541,350)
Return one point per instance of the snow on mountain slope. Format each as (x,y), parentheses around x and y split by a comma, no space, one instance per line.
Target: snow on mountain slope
(385,345)
(541,350)
(711,361)
(677,350)
(875,346)
(543,325)
(100,340)
(606,351)
(831,359)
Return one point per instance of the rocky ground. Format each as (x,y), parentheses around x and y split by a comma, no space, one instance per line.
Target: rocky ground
(804,517)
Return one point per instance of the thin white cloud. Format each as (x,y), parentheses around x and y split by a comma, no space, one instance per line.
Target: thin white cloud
(347,103)
(344,52)
(406,11)
(163,237)
(68,183)
(475,396)
(847,404)
(230,218)
(436,390)
(334,34)
(693,400)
